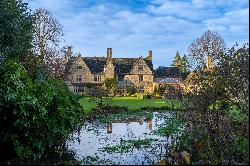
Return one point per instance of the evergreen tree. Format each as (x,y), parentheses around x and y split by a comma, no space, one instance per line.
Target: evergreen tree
(177,62)
(181,63)
(184,66)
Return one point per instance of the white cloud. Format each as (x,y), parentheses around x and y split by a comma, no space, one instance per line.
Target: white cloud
(164,27)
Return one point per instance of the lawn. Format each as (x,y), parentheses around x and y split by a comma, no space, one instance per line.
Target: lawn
(132,103)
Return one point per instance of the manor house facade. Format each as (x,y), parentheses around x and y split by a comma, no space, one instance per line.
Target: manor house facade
(86,73)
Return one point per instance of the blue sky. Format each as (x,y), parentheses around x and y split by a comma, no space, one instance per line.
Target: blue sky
(133,27)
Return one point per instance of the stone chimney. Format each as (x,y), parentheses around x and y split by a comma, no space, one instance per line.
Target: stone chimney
(68,54)
(69,51)
(149,57)
(210,63)
(109,53)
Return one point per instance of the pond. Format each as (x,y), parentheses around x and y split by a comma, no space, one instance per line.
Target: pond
(132,141)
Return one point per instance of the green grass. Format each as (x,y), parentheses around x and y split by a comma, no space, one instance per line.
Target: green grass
(132,103)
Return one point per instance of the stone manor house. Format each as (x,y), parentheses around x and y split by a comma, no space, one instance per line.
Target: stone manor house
(87,73)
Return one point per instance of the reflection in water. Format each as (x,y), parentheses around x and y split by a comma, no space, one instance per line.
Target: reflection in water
(109,128)
(98,135)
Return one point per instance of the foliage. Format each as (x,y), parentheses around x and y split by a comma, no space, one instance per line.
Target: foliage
(95,160)
(128,145)
(218,110)
(185,65)
(181,63)
(131,91)
(15,29)
(234,69)
(159,90)
(177,60)
(172,127)
(109,84)
(35,113)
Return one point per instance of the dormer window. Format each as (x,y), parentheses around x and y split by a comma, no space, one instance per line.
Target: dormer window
(140,68)
(78,67)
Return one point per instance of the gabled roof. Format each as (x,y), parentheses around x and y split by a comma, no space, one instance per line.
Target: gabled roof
(167,72)
(95,64)
(121,65)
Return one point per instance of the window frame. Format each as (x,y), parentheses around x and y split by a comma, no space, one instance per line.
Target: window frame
(97,78)
(140,78)
(79,78)
(78,66)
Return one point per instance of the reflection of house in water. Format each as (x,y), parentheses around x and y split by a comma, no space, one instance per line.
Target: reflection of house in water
(139,120)
(109,128)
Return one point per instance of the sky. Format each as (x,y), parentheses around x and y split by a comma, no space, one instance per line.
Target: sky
(133,27)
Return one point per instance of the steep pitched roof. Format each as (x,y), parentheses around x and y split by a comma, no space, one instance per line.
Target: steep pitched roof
(95,64)
(167,72)
(121,65)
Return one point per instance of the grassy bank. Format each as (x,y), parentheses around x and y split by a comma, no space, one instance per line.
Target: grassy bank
(132,103)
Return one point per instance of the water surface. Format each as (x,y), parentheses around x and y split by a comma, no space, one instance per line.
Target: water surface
(95,136)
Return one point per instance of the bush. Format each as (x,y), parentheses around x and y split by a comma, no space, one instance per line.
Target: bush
(139,95)
(131,91)
(146,96)
(35,114)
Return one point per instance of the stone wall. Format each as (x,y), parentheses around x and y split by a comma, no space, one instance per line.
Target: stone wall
(109,70)
(87,76)
(140,68)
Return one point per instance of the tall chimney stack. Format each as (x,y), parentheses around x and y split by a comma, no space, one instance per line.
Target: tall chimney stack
(109,53)
(68,54)
(69,51)
(149,55)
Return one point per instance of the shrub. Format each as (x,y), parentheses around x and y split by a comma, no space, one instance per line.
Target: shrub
(131,91)
(146,96)
(34,113)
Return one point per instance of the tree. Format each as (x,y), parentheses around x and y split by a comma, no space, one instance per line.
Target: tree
(109,85)
(234,69)
(210,43)
(47,36)
(177,62)
(185,65)
(36,113)
(181,63)
(218,107)
(15,29)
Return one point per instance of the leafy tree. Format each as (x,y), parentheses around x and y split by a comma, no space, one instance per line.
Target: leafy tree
(160,89)
(234,69)
(218,110)
(36,113)
(109,84)
(15,29)
(210,43)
